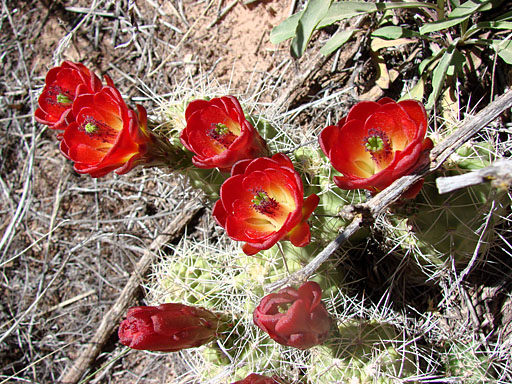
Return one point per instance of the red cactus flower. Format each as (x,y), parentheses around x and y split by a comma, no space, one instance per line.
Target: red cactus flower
(219,135)
(296,318)
(167,327)
(376,143)
(254,378)
(63,85)
(263,202)
(106,135)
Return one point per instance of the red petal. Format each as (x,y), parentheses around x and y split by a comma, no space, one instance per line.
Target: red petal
(328,137)
(362,110)
(349,155)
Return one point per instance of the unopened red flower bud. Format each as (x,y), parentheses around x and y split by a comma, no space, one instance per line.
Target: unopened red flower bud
(254,378)
(296,318)
(167,327)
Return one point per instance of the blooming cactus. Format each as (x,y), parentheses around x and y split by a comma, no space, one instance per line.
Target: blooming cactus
(106,135)
(167,327)
(376,143)
(63,85)
(219,134)
(296,318)
(263,202)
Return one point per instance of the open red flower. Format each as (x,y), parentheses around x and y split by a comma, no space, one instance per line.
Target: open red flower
(106,135)
(254,378)
(376,143)
(263,202)
(167,327)
(219,135)
(63,85)
(296,318)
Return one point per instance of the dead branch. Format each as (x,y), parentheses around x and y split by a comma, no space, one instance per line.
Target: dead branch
(499,173)
(388,196)
(112,318)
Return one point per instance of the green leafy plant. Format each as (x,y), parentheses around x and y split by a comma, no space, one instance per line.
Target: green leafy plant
(449,33)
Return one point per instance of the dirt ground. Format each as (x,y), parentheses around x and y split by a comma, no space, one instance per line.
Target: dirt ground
(68,243)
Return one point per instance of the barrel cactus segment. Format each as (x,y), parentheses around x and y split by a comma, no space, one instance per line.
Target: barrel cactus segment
(218,276)
(439,231)
(467,363)
(364,352)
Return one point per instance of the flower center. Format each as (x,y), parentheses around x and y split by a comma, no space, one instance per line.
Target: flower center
(57,96)
(221,134)
(99,129)
(90,128)
(264,204)
(63,99)
(378,144)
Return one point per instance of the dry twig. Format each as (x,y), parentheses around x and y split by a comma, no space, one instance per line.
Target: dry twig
(500,172)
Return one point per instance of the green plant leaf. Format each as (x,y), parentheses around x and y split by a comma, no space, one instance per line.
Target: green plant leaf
(505,16)
(457,64)
(393,33)
(486,25)
(342,10)
(340,38)
(504,50)
(345,10)
(429,60)
(457,16)
(285,30)
(468,8)
(441,24)
(314,12)
(439,74)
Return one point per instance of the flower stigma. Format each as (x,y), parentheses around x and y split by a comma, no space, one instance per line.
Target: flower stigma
(90,128)
(221,129)
(374,144)
(264,204)
(378,144)
(63,99)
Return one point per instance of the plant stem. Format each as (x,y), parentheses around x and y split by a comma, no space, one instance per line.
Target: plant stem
(440,9)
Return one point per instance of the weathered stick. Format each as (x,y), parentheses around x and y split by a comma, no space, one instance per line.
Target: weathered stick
(499,172)
(388,196)
(111,319)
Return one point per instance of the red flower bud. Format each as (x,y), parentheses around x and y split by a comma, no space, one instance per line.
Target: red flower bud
(63,85)
(263,202)
(296,318)
(167,327)
(219,134)
(254,378)
(376,143)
